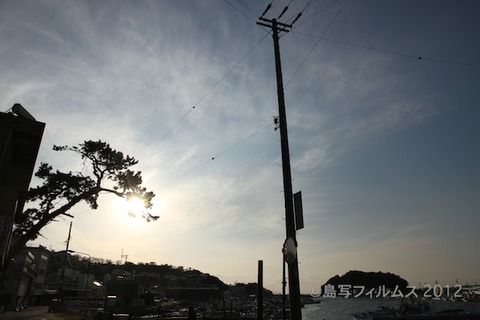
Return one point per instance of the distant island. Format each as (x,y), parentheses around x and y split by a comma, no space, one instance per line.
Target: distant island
(368,280)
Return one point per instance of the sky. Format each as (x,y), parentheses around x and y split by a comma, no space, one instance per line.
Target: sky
(382,102)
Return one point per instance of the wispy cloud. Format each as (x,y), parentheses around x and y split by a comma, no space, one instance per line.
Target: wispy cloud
(131,73)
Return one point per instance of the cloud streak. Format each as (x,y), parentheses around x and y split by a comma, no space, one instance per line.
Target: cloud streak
(380,143)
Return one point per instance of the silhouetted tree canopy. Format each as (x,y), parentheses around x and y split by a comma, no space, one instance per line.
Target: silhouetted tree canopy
(108,172)
(369,280)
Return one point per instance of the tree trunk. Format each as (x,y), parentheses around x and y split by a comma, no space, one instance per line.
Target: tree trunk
(20,242)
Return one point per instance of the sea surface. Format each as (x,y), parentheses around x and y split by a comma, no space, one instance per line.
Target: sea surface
(342,309)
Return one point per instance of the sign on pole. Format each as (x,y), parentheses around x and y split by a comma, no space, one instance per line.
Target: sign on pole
(297,200)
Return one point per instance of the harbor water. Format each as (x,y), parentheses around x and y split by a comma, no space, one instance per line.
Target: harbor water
(342,309)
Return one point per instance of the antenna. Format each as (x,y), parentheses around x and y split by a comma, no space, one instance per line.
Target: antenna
(123,256)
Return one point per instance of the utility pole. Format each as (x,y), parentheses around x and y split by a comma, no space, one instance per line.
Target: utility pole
(260,291)
(65,262)
(123,256)
(293,276)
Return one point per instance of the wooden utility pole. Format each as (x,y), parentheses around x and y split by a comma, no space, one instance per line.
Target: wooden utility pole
(65,262)
(260,291)
(293,275)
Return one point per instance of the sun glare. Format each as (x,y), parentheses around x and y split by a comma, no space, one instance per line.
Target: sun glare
(135,207)
(130,211)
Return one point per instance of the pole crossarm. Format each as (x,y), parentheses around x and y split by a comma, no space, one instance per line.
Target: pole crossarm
(274,24)
(271,21)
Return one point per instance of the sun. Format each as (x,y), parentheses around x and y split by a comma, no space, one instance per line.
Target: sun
(130,211)
(135,207)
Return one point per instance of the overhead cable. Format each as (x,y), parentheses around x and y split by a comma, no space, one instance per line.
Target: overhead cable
(206,94)
(417,57)
(300,14)
(316,43)
(313,15)
(243,3)
(217,155)
(396,53)
(241,12)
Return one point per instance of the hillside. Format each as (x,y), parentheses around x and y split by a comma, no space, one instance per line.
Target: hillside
(368,280)
(149,274)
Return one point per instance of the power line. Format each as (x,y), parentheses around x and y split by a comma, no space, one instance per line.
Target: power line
(412,56)
(318,41)
(241,12)
(229,71)
(205,95)
(249,9)
(396,53)
(297,16)
(321,37)
(217,156)
(313,15)
(241,141)
(309,3)
(449,62)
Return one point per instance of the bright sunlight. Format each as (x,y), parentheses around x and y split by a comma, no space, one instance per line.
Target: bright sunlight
(135,207)
(130,211)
